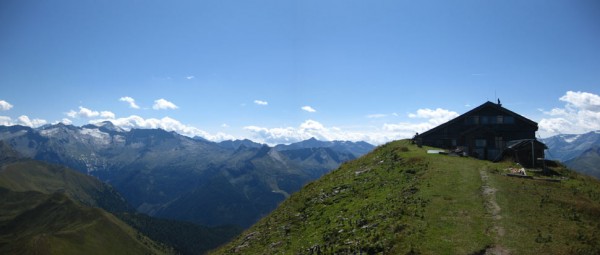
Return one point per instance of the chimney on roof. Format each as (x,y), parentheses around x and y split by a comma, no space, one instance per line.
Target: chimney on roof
(499,104)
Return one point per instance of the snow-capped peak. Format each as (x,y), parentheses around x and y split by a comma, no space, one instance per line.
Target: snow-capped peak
(109,126)
(571,138)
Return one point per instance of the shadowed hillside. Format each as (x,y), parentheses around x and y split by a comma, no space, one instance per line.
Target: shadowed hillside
(35,223)
(43,199)
(588,162)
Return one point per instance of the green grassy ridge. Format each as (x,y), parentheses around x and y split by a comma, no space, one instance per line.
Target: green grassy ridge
(37,223)
(33,175)
(400,200)
(587,163)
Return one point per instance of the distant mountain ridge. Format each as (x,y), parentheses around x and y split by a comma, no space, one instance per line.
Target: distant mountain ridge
(236,144)
(356,148)
(578,151)
(564,147)
(161,173)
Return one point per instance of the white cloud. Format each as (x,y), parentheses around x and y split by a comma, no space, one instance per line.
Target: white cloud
(88,113)
(224,125)
(382,115)
(580,114)
(556,112)
(374,135)
(407,129)
(22,120)
(66,121)
(311,125)
(71,114)
(260,102)
(5,106)
(376,116)
(83,112)
(107,114)
(274,135)
(166,123)
(25,121)
(436,117)
(308,129)
(308,108)
(6,121)
(162,104)
(190,77)
(131,102)
(582,100)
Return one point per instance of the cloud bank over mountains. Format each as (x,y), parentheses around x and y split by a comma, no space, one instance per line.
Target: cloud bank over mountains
(374,135)
(22,120)
(87,113)
(166,123)
(580,114)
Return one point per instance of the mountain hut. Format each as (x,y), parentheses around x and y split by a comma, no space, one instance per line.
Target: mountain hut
(486,132)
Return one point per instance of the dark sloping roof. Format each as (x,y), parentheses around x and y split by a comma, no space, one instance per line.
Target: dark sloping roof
(484,105)
(515,144)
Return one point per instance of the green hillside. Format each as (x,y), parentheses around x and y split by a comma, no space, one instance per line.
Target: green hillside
(33,175)
(588,162)
(400,200)
(35,223)
(49,209)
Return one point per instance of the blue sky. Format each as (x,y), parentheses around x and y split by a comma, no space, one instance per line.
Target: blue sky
(368,70)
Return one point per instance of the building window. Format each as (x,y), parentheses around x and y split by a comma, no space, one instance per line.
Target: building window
(472,120)
(509,120)
(500,119)
(484,120)
(499,142)
(480,143)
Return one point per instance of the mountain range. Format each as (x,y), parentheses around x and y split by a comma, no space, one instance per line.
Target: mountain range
(396,199)
(168,175)
(579,152)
